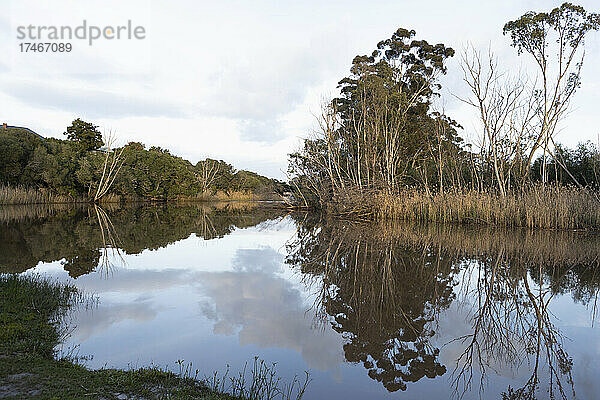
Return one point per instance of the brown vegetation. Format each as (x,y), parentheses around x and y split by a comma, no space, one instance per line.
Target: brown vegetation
(535,207)
(29,195)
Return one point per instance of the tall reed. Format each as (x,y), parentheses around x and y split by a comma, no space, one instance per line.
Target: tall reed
(26,195)
(535,207)
(29,195)
(225,196)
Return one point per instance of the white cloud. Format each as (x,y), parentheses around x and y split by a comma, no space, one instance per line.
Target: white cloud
(93,103)
(265,309)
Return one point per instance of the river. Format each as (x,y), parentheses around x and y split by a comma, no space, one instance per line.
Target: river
(372,310)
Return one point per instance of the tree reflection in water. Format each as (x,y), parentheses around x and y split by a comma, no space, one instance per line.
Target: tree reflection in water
(382,297)
(383,287)
(511,324)
(93,238)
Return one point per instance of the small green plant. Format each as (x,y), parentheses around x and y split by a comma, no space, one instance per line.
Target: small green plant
(260,382)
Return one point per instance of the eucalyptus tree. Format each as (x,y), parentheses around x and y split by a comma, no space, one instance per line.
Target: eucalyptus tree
(555,40)
(381,126)
(206,172)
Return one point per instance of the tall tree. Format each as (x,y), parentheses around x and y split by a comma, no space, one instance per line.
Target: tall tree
(384,108)
(555,41)
(85,134)
(381,128)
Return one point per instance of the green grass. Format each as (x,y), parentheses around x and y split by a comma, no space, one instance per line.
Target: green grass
(35,377)
(32,316)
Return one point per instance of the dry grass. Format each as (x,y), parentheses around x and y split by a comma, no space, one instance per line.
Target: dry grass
(26,195)
(536,207)
(223,196)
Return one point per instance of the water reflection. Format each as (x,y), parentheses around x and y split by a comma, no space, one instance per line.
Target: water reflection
(378,308)
(262,307)
(383,297)
(385,286)
(105,315)
(86,239)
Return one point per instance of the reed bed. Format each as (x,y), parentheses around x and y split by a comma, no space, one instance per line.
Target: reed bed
(27,195)
(223,196)
(534,207)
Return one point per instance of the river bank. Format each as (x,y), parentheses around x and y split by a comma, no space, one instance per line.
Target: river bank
(32,324)
(18,195)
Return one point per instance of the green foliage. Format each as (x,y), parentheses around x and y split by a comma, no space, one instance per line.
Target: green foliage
(74,167)
(223,174)
(530,32)
(582,164)
(154,174)
(17,148)
(398,71)
(393,88)
(85,134)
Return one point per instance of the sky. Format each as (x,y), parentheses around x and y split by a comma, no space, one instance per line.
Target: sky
(243,81)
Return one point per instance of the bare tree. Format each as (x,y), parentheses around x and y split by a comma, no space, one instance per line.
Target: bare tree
(555,41)
(506,113)
(207,172)
(113,161)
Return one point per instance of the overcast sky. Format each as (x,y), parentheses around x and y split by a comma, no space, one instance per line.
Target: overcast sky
(241,81)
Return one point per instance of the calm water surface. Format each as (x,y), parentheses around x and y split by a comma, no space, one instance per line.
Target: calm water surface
(373,311)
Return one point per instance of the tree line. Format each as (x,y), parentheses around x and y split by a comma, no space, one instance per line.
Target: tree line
(86,166)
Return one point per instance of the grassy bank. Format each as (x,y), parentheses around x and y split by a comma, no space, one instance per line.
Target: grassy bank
(536,207)
(31,326)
